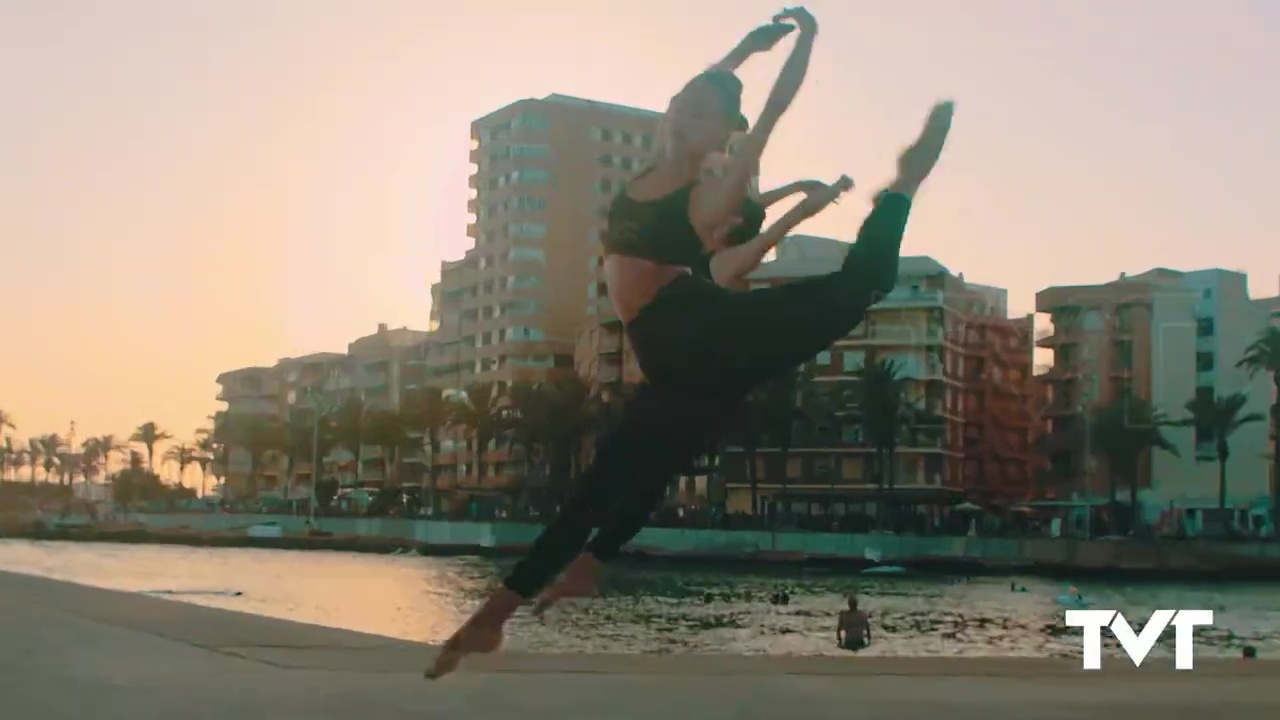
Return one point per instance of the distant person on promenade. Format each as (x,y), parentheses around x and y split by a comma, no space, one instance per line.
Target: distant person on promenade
(853,627)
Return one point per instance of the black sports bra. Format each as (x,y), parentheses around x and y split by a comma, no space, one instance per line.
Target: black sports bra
(660,230)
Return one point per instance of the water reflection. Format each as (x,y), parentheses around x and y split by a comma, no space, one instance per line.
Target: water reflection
(648,608)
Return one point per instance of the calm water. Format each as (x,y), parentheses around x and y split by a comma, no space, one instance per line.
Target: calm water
(647,608)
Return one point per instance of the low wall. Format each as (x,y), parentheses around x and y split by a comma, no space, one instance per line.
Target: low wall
(1165,555)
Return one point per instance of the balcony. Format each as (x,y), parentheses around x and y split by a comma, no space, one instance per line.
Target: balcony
(909,297)
(887,334)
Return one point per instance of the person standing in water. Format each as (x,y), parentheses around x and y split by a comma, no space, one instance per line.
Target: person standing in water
(853,627)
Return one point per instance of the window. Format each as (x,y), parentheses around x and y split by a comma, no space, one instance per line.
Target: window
(823,358)
(627,164)
(530,120)
(1204,362)
(520,306)
(1204,394)
(527,231)
(624,137)
(646,142)
(604,186)
(1207,294)
(606,135)
(1204,327)
(854,360)
(525,333)
(530,151)
(526,254)
(531,176)
(527,202)
(522,280)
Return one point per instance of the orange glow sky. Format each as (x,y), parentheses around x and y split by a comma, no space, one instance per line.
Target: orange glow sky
(188,187)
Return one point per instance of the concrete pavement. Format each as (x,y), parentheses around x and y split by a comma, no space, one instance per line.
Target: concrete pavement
(69,651)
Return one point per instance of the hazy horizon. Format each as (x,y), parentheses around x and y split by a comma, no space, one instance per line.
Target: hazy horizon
(194,187)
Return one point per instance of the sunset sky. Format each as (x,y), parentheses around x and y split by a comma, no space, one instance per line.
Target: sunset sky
(188,187)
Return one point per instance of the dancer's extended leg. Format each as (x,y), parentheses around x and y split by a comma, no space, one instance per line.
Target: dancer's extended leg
(629,515)
(659,436)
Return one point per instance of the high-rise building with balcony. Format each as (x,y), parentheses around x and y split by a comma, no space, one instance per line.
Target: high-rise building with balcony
(966,370)
(546,170)
(247,391)
(1165,337)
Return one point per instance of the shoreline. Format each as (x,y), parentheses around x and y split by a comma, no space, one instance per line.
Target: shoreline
(971,567)
(185,660)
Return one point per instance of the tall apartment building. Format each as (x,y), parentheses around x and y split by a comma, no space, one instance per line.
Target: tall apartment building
(967,370)
(515,305)
(1163,336)
(512,308)
(1271,306)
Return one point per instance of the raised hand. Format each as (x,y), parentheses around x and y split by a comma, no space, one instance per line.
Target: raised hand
(802,18)
(811,186)
(919,159)
(765,37)
(819,198)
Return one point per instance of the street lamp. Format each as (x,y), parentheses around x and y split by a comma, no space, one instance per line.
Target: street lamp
(318,409)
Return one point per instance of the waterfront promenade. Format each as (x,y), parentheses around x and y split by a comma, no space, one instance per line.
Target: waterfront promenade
(1130,559)
(69,651)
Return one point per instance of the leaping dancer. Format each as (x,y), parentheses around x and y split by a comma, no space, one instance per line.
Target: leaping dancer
(702,347)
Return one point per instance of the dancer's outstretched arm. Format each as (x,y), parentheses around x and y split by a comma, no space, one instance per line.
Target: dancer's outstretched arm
(777,195)
(760,40)
(730,267)
(714,200)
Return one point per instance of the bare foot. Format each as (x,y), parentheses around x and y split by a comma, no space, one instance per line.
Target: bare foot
(579,580)
(470,638)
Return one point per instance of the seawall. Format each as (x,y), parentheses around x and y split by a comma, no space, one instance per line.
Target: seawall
(1132,559)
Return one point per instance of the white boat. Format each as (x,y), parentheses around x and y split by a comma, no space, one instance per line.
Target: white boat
(270,529)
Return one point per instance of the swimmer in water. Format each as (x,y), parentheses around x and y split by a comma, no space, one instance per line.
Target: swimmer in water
(853,627)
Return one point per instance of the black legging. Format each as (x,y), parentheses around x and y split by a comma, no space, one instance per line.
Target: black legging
(702,349)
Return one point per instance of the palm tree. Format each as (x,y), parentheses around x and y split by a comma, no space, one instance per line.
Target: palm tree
(478,409)
(35,450)
(882,409)
(8,457)
(148,434)
(1123,432)
(6,421)
(1217,418)
(214,454)
(97,451)
(350,420)
(529,422)
(386,432)
(425,410)
(17,458)
(205,450)
(302,434)
(576,415)
(50,452)
(1263,356)
(181,455)
(258,436)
